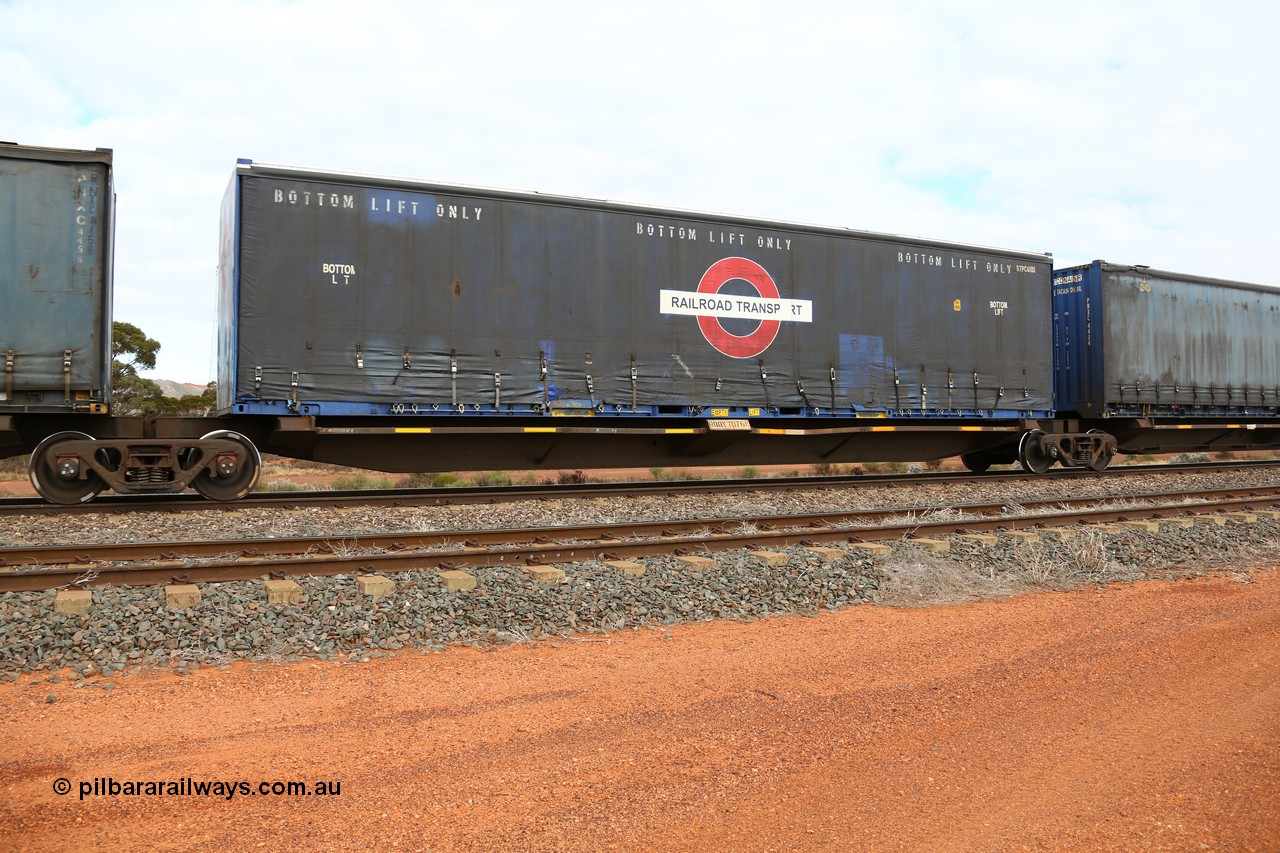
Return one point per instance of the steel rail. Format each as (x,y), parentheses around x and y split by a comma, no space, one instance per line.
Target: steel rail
(458,496)
(604,542)
(48,555)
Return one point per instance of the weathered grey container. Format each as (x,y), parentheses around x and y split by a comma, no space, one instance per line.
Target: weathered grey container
(1134,341)
(358,295)
(56,228)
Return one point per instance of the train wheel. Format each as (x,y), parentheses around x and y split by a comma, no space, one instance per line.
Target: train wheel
(234,474)
(1101,462)
(1032,455)
(68,480)
(976,462)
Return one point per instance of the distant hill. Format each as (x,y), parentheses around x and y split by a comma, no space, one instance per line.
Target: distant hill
(179,389)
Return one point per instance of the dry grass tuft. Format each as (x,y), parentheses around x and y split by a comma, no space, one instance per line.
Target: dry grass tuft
(922,580)
(1087,562)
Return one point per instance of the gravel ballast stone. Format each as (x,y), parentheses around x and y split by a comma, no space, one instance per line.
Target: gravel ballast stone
(130,627)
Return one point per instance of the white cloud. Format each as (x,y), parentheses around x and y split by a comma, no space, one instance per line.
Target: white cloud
(1140,132)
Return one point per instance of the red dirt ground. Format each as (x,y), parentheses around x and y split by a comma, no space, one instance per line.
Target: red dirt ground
(1133,717)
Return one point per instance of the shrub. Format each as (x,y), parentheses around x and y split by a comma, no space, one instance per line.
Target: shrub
(362,480)
(310,464)
(1144,459)
(432,480)
(284,486)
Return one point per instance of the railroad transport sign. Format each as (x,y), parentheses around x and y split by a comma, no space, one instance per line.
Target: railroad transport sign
(709,305)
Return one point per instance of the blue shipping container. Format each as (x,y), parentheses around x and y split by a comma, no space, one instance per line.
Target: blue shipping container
(1136,342)
(56,212)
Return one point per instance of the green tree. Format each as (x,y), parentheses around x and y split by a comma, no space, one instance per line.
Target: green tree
(190,405)
(128,340)
(131,349)
(133,395)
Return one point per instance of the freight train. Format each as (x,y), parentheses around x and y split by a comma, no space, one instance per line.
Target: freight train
(405,325)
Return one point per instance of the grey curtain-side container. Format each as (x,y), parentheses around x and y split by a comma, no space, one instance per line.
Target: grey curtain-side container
(1138,342)
(359,295)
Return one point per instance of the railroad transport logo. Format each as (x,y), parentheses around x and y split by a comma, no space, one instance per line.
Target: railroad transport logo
(710,307)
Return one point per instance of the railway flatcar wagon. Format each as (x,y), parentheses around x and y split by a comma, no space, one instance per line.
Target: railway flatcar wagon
(57,210)
(405,325)
(382,306)
(1168,360)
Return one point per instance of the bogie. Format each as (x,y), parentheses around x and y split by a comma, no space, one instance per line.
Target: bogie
(73,467)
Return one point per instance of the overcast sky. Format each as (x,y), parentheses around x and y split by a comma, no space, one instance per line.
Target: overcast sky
(1138,132)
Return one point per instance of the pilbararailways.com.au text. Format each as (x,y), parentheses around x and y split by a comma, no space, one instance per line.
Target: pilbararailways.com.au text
(107,786)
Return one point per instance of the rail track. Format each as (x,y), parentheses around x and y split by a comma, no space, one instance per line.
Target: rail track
(49,567)
(451,496)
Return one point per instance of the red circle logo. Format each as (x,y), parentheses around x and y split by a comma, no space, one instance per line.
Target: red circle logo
(738,346)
